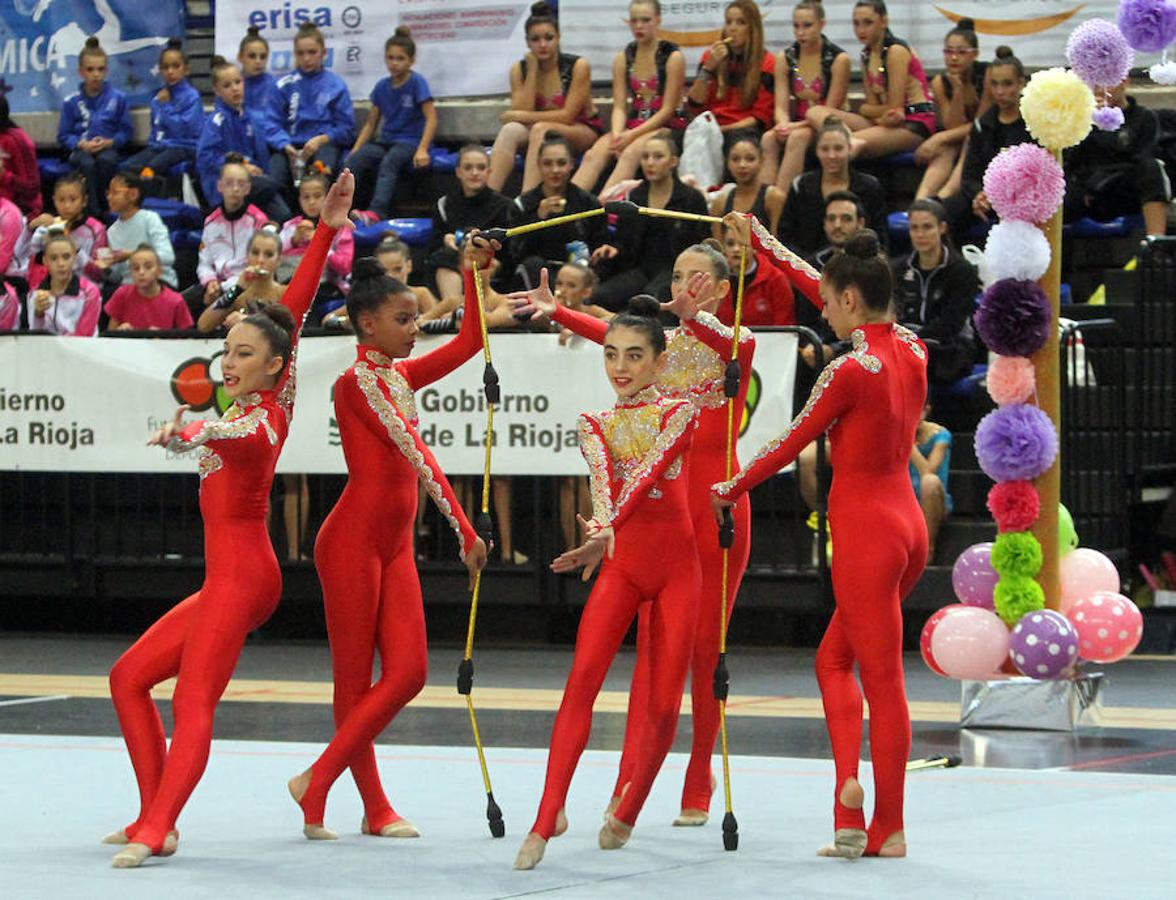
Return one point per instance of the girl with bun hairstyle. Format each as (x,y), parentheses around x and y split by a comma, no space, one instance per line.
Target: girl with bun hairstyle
(262,96)
(177,116)
(635,454)
(870,401)
(199,640)
(364,551)
(550,91)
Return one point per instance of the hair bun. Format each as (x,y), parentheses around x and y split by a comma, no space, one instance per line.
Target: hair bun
(92,41)
(644,306)
(863,245)
(1004,51)
(367,267)
(253,31)
(174,43)
(542,8)
(966,24)
(218,61)
(279,315)
(403,31)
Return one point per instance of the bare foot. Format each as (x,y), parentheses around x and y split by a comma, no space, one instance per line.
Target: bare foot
(852,795)
(298,786)
(894,847)
(399,828)
(131,856)
(531,852)
(561,823)
(614,834)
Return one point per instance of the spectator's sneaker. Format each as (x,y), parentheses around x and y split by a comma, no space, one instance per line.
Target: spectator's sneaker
(363,217)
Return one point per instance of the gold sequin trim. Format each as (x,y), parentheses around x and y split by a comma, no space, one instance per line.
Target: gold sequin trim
(769,243)
(693,371)
(861,352)
(592,448)
(909,338)
(210,462)
(726,332)
(680,418)
(236,424)
(402,394)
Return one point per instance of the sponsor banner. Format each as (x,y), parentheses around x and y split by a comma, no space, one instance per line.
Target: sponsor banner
(1035,29)
(88,405)
(464,47)
(40,41)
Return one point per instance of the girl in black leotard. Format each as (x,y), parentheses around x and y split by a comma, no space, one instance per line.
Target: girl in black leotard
(764,201)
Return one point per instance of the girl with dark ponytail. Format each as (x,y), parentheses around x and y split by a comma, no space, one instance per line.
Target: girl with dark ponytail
(364,550)
(870,401)
(177,117)
(21,180)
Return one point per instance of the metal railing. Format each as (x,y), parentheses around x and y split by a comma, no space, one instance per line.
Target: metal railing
(1154,382)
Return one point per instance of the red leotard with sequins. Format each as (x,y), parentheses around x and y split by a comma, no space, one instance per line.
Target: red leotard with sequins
(636,452)
(199,640)
(364,556)
(697,354)
(869,401)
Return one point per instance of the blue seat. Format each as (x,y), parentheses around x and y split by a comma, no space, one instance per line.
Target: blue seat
(896,160)
(176,215)
(329,305)
(444,161)
(186,239)
(1121,226)
(968,386)
(52,168)
(898,225)
(184,167)
(414,232)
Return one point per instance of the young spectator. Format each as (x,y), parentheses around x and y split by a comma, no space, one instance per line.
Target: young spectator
(63,302)
(1116,173)
(146,303)
(395,257)
(86,232)
(811,71)
(897,114)
(767,292)
(12,231)
(95,123)
(648,81)
(745,161)
(177,116)
(472,204)
(20,179)
(318,121)
(9,308)
(262,95)
(930,464)
(402,111)
(227,232)
(555,196)
(961,94)
(235,128)
(298,231)
(736,78)
(935,294)
(643,252)
(1000,127)
(255,287)
(134,227)
(801,224)
(550,91)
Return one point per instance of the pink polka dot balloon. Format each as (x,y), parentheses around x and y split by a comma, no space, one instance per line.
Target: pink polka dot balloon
(925,637)
(1044,644)
(1109,626)
(1083,572)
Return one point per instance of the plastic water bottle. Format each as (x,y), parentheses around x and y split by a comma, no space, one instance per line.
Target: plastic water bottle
(298,168)
(578,253)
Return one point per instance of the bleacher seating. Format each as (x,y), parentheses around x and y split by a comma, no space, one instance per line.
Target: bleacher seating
(414,232)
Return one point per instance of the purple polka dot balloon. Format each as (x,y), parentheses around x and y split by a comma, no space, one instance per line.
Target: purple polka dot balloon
(1044,644)
(972,577)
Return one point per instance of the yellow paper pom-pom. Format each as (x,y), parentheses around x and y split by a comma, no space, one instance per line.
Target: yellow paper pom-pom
(1057,107)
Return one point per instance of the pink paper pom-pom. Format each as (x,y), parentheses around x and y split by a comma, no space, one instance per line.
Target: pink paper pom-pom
(1011,379)
(1025,183)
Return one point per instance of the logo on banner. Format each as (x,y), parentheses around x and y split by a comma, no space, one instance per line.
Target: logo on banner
(192,382)
(1031,25)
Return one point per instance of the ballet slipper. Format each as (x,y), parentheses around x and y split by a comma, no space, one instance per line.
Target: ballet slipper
(117,837)
(561,823)
(398,828)
(171,843)
(614,834)
(531,852)
(131,856)
(313,831)
(693,817)
(614,802)
(894,847)
(848,843)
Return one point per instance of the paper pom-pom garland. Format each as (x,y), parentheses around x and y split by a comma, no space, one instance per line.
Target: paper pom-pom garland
(1016,553)
(1148,25)
(1025,182)
(1056,106)
(1015,505)
(1016,443)
(1099,54)
(1108,118)
(1163,72)
(1017,250)
(1010,379)
(1015,596)
(1014,317)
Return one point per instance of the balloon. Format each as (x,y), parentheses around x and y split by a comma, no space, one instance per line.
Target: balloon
(1084,572)
(1044,644)
(1109,626)
(925,637)
(972,577)
(1067,536)
(969,643)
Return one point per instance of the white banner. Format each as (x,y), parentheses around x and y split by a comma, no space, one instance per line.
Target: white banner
(88,405)
(464,47)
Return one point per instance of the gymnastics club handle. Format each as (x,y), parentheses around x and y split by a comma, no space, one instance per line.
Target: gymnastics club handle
(727,529)
(934,762)
(490,385)
(484,527)
(731,377)
(494,816)
(722,681)
(730,832)
(465,678)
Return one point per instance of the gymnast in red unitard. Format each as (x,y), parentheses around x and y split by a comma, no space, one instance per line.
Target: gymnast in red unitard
(636,454)
(199,640)
(869,401)
(364,550)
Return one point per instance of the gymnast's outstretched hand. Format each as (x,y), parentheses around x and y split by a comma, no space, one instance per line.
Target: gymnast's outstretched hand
(338,203)
(162,436)
(599,543)
(537,301)
(690,302)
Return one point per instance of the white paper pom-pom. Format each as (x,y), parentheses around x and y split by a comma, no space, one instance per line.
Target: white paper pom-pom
(1017,250)
(1163,73)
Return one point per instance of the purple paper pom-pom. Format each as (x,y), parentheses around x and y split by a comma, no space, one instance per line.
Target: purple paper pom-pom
(1108,118)
(1148,25)
(1014,317)
(1098,53)
(1015,443)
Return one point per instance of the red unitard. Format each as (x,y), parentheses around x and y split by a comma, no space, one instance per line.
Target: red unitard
(869,401)
(364,556)
(697,355)
(199,640)
(635,452)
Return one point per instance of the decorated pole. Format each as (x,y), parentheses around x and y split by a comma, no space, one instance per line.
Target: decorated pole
(1046,363)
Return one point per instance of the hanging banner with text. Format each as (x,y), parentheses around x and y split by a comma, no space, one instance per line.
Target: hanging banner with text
(88,405)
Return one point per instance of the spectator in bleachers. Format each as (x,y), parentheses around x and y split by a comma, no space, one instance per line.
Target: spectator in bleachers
(95,123)
(12,231)
(736,80)
(930,465)
(550,91)
(403,112)
(641,255)
(472,204)
(555,196)
(749,195)
(9,308)
(897,114)
(262,96)
(146,303)
(809,72)
(227,232)
(86,232)
(767,292)
(395,257)
(134,227)
(298,231)
(177,117)
(20,179)
(648,82)
(235,128)
(961,94)
(255,287)
(63,302)
(802,222)
(317,118)
(1116,173)
(935,294)
(1000,127)
(843,217)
